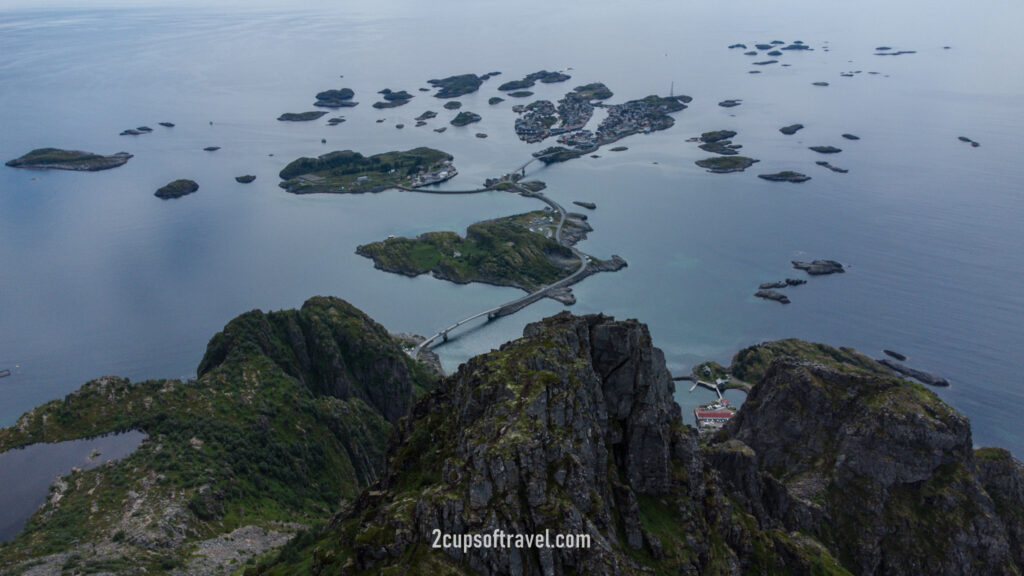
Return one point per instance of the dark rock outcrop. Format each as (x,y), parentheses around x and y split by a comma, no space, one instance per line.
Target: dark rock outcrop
(826,164)
(772,295)
(826,149)
(176,189)
(785,176)
(894,354)
(301,116)
(819,267)
(335,98)
(920,376)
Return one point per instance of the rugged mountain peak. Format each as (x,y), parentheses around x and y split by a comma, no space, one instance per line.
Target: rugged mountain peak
(878,468)
(832,466)
(330,346)
(562,430)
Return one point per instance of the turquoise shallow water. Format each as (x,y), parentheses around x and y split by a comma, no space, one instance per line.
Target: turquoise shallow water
(99,277)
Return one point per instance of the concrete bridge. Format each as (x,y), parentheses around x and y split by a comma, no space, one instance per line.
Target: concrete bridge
(519,303)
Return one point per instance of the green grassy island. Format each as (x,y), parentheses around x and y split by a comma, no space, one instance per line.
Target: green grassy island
(57,159)
(348,172)
(515,251)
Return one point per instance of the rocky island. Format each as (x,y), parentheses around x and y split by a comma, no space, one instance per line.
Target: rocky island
(335,98)
(350,172)
(465,118)
(393,99)
(726,164)
(57,159)
(543,76)
(718,142)
(517,251)
(177,189)
(819,267)
(455,86)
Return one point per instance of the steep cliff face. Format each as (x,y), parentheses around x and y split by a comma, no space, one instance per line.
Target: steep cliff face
(288,418)
(832,466)
(877,469)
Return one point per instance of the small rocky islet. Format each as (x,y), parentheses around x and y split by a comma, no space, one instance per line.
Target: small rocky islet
(825,149)
(301,116)
(791,129)
(455,86)
(464,118)
(819,267)
(825,164)
(245,179)
(769,290)
(176,189)
(719,142)
(785,176)
(726,164)
(75,160)
(392,99)
(339,98)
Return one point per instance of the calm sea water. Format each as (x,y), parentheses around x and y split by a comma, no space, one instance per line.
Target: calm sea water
(99,277)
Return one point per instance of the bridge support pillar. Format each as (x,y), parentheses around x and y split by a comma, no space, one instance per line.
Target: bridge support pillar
(444,336)
(492,316)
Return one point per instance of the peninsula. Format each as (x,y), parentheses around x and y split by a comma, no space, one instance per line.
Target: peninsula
(350,172)
(57,159)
